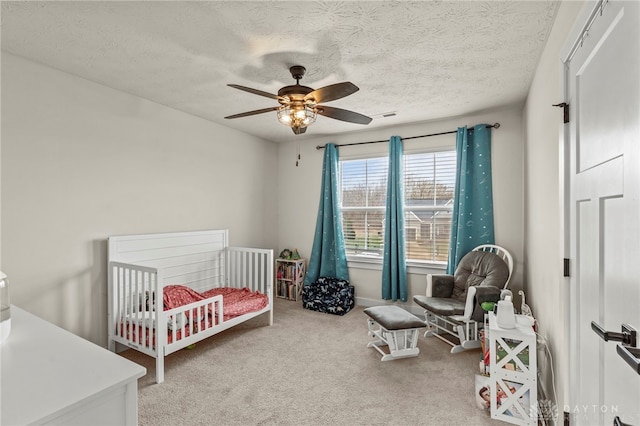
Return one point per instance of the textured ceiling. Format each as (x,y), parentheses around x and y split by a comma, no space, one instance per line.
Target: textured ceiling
(421,60)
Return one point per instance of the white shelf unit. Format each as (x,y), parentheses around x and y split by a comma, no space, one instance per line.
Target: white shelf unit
(513,373)
(289,278)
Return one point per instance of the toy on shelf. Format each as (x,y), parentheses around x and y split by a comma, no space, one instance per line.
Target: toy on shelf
(285,254)
(289,254)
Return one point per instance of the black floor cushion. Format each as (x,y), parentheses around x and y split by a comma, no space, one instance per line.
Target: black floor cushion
(329,295)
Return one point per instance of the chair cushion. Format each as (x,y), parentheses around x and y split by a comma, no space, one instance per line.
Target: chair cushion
(440,305)
(479,267)
(394,317)
(484,293)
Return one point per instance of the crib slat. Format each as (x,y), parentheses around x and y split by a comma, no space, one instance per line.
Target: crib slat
(129,301)
(174,333)
(260,267)
(141,325)
(139,328)
(117,307)
(152,308)
(253,269)
(244,266)
(196,326)
(236,270)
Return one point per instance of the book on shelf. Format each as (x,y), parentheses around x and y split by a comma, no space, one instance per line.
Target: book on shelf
(292,291)
(513,401)
(483,392)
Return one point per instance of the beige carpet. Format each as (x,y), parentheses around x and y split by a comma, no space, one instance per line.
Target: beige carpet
(308,369)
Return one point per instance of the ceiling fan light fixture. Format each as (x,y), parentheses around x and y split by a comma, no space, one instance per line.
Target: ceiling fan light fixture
(296,115)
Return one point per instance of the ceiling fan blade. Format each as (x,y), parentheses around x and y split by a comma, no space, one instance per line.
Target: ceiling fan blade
(343,114)
(255,91)
(258,111)
(332,92)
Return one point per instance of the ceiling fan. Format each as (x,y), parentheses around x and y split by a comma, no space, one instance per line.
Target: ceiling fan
(299,105)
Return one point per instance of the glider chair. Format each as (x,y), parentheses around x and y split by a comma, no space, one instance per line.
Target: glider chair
(452,304)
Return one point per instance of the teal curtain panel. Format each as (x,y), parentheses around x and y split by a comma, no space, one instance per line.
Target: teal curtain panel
(394,267)
(328,256)
(472,220)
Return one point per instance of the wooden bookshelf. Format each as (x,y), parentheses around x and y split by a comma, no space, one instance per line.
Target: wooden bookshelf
(289,278)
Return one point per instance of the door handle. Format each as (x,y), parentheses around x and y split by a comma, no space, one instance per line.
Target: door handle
(618,422)
(627,350)
(627,337)
(631,356)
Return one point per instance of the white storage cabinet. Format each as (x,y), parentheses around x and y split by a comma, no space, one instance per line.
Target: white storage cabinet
(513,373)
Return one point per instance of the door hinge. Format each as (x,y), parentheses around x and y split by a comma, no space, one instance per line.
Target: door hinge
(567,268)
(565,107)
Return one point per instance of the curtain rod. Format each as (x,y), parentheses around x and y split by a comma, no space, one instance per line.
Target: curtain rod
(489,126)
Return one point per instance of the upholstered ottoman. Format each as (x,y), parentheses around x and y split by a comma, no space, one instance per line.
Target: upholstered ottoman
(396,328)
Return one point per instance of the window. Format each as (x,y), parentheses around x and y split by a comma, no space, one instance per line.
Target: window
(429,179)
(363,187)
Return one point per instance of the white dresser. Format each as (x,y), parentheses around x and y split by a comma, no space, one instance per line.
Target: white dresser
(51,376)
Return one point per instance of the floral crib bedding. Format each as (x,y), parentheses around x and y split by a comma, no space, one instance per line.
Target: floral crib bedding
(235,302)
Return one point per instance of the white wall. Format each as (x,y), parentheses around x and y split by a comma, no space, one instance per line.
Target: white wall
(300,188)
(544,242)
(81,162)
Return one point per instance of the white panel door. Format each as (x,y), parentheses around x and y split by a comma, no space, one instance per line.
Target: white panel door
(604,224)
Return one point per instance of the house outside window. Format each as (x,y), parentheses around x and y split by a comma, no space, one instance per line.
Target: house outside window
(429,179)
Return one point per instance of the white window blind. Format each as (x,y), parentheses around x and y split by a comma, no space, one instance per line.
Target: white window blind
(429,180)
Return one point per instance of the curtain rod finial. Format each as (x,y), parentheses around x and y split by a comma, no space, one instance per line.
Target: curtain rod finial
(319,147)
(496,125)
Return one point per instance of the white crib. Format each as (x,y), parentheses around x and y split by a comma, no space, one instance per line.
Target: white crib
(141,266)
